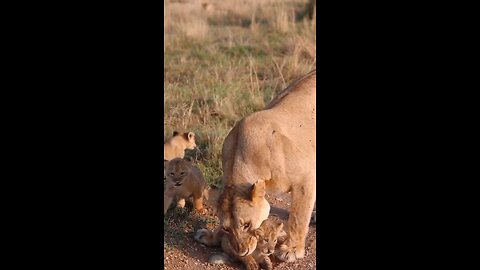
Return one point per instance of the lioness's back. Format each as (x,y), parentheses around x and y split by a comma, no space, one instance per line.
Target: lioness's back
(292,113)
(300,95)
(279,140)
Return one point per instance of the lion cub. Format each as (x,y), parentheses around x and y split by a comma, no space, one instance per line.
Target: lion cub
(266,235)
(175,147)
(184,180)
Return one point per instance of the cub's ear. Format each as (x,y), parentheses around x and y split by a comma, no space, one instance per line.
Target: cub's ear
(165,162)
(190,136)
(258,190)
(188,159)
(175,133)
(259,232)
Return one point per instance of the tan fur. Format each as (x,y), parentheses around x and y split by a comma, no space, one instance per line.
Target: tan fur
(247,245)
(175,146)
(192,184)
(274,150)
(263,243)
(210,196)
(267,236)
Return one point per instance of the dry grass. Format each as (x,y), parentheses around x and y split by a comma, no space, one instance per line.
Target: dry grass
(227,58)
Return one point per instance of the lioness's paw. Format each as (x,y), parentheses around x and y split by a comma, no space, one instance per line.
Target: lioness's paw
(288,254)
(200,235)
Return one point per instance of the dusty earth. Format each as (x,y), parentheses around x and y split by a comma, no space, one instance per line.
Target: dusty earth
(181,251)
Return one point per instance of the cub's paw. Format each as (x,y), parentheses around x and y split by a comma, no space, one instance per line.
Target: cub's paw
(250,263)
(267,263)
(201,235)
(289,254)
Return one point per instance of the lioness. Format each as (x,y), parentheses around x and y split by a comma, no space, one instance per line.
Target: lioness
(266,236)
(175,146)
(184,180)
(273,148)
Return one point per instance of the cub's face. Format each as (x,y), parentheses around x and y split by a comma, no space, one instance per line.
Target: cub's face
(176,170)
(267,235)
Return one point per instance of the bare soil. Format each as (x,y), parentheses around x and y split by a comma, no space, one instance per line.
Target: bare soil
(181,251)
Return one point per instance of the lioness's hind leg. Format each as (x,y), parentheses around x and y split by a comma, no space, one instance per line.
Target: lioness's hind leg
(303,199)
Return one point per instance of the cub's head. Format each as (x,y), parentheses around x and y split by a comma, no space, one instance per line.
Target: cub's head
(176,170)
(242,242)
(241,210)
(188,137)
(267,236)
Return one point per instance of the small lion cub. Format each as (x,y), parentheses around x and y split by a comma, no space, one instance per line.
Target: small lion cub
(175,146)
(184,180)
(267,235)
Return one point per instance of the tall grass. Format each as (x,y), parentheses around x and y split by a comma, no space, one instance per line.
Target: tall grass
(225,59)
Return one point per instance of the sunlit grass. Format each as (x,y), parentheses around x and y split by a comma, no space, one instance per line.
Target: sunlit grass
(225,60)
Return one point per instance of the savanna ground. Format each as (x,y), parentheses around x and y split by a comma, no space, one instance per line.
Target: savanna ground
(225,59)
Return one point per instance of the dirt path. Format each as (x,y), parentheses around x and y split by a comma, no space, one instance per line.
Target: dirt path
(181,251)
